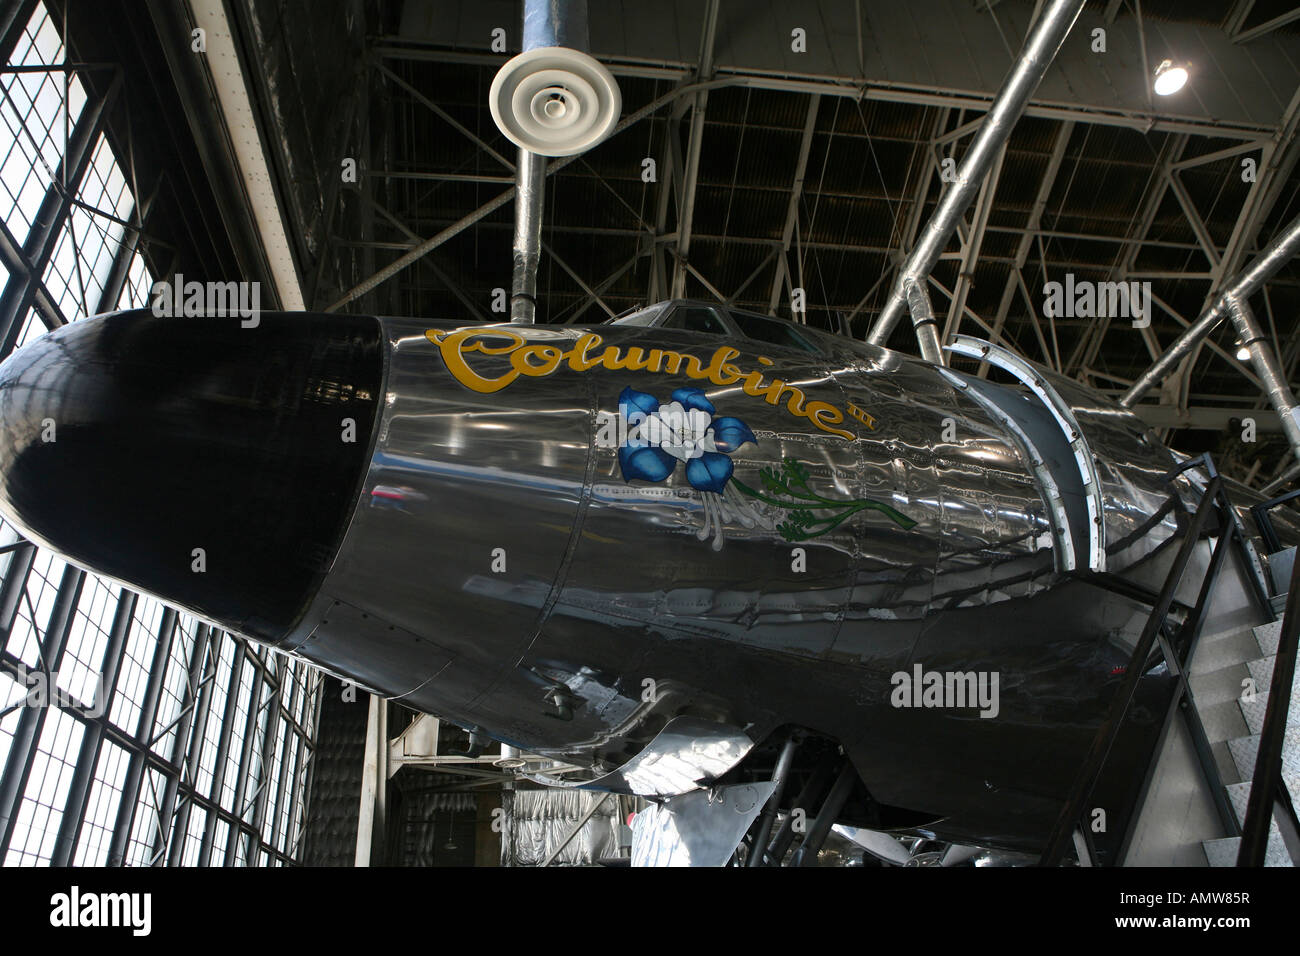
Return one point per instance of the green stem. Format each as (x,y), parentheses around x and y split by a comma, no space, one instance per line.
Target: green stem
(855,505)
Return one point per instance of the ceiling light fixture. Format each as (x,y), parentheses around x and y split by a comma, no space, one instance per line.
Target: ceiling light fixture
(1243,353)
(1169,78)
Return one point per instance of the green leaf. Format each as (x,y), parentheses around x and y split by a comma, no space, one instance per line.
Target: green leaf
(772,481)
(797,472)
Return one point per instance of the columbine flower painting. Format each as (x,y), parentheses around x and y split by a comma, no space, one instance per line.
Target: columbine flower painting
(686,430)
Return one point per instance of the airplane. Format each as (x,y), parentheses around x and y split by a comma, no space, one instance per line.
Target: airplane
(747,569)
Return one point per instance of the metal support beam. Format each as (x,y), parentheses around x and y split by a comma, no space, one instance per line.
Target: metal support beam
(1085,353)
(576,277)
(168,835)
(601,289)
(1044,39)
(74,807)
(374,784)
(246,758)
(691,171)
(1063,133)
(255,841)
(23,745)
(1254,33)
(428,245)
(1280,251)
(1277,159)
(130,797)
(21,289)
(970,249)
(223,750)
(851,87)
(796,195)
(577,828)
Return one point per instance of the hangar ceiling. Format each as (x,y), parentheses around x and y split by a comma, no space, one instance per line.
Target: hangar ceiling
(815,170)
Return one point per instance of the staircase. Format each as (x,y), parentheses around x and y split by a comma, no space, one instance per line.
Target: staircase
(1197,802)
(1233,718)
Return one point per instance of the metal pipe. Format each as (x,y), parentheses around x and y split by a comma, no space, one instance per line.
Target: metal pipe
(927,330)
(813,789)
(779,775)
(1266,367)
(821,828)
(1045,38)
(530,194)
(555,23)
(1281,480)
(547,23)
(1278,252)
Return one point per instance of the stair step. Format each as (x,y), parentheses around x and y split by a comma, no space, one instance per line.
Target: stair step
(1267,635)
(1215,654)
(1223,684)
(1239,795)
(1278,603)
(1244,750)
(1262,670)
(1224,852)
(1253,711)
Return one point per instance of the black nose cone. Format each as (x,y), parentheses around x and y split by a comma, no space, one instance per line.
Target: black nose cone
(210,464)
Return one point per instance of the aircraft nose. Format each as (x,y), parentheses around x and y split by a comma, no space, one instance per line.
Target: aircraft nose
(210,464)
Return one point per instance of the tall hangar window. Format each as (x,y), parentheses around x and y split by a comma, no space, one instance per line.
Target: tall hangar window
(130,734)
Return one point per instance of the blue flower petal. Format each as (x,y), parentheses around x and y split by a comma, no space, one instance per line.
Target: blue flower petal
(710,472)
(648,464)
(631,400)
(693,398)
(730,433)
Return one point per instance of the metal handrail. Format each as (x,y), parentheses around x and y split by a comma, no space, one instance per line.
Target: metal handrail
(1061,836)
(1267,788)
(1266,784)
(1264,522)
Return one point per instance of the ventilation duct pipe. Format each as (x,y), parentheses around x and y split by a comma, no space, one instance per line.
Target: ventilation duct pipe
(1247,282)
(553,99)
(1045,38)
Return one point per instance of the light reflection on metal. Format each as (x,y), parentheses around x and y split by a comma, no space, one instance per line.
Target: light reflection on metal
(602,583)
(1266,367)
(927,331)
(1064,537)
(1034,380)
(697,829)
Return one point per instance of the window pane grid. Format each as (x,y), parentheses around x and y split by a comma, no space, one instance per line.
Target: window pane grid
(38,111)
(101,807)
(47,790)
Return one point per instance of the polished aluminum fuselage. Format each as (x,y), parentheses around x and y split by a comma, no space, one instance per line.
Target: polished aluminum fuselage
(501,570)
(466,519)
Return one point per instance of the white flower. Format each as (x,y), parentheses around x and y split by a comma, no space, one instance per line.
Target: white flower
(681,433)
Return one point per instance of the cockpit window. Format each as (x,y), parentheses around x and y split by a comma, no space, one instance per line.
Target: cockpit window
(695,318)
(642,317)
(772,331)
